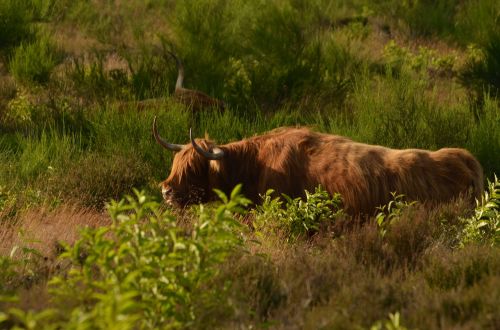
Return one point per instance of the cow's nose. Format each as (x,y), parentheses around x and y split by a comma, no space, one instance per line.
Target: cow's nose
(167,194)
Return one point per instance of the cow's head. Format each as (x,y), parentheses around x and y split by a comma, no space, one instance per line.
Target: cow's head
(189,179)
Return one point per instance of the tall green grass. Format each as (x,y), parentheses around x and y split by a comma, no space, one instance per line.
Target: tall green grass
(430,18)
(50,152)
(481,74)
(32,63)
(457,21)
(145,76)
(398,111)
(476,21)
(484,139)
(14,24)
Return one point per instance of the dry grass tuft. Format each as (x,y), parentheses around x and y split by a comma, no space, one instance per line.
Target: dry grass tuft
(43,229)
(95,180)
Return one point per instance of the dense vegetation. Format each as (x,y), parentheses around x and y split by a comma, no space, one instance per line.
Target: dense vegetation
(75,134)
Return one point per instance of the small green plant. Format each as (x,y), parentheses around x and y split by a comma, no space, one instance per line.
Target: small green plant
(8,274)
(17,269)
(238,85)
(425,59)
(298,217)
(20,110)
(5,198)
(395,55)
(27,258)
(484,225)
(391,212)
(393,323)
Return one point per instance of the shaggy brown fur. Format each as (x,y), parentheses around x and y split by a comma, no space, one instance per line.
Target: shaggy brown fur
(292,160)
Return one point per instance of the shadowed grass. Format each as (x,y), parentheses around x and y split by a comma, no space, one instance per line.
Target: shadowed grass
(360,278)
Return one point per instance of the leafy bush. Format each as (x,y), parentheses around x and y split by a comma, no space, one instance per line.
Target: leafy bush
(484,225)
(298,217)
(425,60)
(143,271)
(32,63)
(20,111)
(391,212)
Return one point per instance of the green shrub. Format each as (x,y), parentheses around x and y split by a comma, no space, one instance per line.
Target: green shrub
(423,61)
(150,76)
(484,225)
(32,63)
(297,217)
(20,111)
(391,212)
(209,34)
(143,271)
(458,21)
(394,323)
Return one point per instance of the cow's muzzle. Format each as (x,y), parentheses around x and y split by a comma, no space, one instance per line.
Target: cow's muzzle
(167,195)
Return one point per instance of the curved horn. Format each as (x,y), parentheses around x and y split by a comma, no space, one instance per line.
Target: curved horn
(162,142)
(216,155)
(180,69)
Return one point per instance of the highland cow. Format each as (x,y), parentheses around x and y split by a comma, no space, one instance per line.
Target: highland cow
(194,99)
(293,160)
